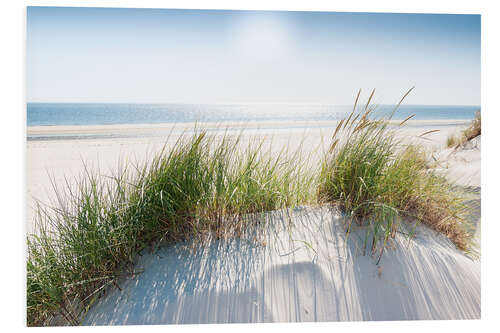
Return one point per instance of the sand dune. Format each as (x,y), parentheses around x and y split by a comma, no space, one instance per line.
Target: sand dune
(298,268)
(305,272)
(462,165)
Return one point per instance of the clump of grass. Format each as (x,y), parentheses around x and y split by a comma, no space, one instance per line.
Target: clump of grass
(374,178)
(204,185)
(474,130)
(453,141)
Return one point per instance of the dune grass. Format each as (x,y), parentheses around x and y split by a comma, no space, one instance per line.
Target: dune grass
(209,186)
(474,130)
(453,141)
(375,179)
(204,185)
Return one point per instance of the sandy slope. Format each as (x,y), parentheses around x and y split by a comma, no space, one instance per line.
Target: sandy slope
(462,165)
(305,272)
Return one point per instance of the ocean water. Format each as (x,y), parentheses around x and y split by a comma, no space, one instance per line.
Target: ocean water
(52,114)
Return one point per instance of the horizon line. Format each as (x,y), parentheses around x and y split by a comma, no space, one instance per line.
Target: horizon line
(247,103)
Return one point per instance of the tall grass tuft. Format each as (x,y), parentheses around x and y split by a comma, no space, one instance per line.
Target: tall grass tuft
(474,130)
(453,141)
(375,179)
(204,185)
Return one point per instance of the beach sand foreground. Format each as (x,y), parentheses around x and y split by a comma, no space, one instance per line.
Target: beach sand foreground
(300,270)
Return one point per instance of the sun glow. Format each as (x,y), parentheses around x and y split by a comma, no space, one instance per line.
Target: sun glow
(263,38)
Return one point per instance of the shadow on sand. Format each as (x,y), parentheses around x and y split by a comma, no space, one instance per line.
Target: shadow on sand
(303,270)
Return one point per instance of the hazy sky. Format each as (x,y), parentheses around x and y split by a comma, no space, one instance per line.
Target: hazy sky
(195,56)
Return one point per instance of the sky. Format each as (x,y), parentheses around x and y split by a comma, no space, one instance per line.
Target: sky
(118,55)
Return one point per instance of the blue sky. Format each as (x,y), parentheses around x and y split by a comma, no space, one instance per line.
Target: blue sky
(201,56)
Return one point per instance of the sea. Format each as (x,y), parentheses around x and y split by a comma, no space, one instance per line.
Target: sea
(63,114)
(54,114)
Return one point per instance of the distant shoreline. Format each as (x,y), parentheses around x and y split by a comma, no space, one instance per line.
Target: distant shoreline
(72,132)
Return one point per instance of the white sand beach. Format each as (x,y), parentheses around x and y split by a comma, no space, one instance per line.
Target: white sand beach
(301,270)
